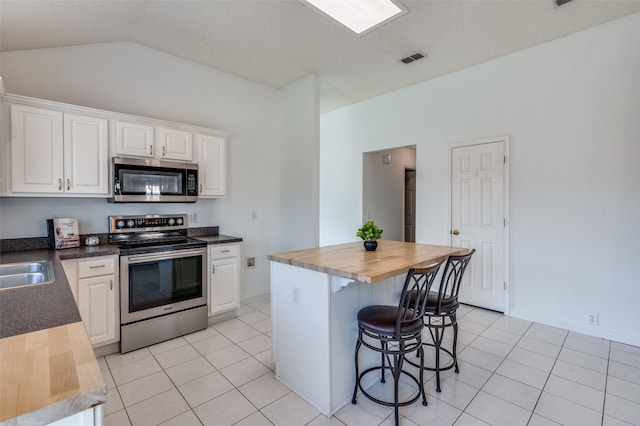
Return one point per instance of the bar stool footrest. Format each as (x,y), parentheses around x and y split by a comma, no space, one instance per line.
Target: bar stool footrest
(387,403)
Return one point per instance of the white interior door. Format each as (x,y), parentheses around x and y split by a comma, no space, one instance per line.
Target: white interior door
(478,219)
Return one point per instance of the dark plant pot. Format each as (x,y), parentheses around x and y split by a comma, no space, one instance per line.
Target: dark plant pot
(370,245)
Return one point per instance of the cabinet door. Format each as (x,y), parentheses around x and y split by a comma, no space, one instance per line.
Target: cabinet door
(223,285)
(86,155)
(97,306)
(36,150)
(134,139)
(172,144)
(212,166)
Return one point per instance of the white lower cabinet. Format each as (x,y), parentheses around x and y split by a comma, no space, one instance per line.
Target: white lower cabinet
(224,285)
(94,283)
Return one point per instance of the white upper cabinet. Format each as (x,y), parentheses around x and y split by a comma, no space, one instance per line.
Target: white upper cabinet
(36,150)
(51,149)
(86,155)
(162,143)
(212,166)
(53,152)
(134,139)
(174,144)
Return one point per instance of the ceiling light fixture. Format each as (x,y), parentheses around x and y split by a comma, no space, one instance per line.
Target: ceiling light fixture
(359,15)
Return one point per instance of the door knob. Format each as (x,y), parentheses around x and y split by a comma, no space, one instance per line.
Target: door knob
(455,232)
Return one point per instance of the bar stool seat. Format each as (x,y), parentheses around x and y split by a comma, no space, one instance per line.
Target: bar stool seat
(381,319)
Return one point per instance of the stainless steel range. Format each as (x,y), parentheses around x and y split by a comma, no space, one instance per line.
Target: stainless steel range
(163,291)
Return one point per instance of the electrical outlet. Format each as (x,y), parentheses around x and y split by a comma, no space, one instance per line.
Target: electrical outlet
(295,295)
(194,217)
(592,318)
(251,262)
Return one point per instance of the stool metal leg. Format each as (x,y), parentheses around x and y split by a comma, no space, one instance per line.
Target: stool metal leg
(455,341)
(355,388)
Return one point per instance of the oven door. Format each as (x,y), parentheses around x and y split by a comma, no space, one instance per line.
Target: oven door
(154,284)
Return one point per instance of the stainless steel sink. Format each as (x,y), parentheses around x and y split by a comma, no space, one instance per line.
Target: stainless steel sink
(26,273)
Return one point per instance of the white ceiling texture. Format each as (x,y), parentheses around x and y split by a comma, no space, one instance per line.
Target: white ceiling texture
(277,42)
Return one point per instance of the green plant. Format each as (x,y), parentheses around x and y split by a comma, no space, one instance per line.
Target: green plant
(369,231)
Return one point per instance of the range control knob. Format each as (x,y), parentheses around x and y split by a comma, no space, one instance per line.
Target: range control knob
(120,224)
(130,223)
(171,222)
(179,221)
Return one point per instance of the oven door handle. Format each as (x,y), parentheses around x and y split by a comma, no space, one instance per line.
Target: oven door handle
(165,255)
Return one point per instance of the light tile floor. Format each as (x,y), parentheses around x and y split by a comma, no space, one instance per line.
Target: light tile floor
(512,372)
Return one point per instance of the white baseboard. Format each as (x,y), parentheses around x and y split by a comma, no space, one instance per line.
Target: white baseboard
(633,340)
(255,293)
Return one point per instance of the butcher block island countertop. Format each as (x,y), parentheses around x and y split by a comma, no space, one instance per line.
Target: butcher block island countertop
(352,261)
(48,375)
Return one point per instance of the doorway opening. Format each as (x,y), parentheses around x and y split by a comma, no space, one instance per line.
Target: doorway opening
(409,205)
(384,192)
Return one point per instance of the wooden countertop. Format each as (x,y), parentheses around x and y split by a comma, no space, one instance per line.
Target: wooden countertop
(352,261)
(49,374)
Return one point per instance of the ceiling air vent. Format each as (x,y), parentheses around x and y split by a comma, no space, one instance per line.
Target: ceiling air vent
(415,56)
(561,2)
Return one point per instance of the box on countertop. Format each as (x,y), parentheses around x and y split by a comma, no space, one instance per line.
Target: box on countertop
(63,233)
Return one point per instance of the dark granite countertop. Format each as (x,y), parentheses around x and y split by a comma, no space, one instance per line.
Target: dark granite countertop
(219,239)
(36,307)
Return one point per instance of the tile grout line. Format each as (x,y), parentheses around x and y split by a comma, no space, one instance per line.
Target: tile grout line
(533,410)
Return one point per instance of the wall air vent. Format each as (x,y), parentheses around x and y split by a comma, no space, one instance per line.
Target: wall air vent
(561,2)
(413,58)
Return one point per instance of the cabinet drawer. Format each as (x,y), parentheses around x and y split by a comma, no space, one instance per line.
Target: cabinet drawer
(224,251)
(94,268)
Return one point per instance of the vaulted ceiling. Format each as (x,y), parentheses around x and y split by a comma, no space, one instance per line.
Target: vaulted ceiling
(276,42)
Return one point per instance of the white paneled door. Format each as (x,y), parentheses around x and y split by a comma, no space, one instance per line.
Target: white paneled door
(478,219)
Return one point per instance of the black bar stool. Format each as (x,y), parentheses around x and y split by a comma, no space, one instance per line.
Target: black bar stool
(440,312)
(398,331)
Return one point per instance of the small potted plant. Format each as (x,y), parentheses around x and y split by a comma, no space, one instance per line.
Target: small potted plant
(370,233)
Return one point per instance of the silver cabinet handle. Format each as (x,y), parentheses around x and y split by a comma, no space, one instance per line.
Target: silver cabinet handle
(59,184)
(111,284)
(213,269)
(164,151)
(225,251)
(200,187)
(68,184)
(151,150)
(97,266)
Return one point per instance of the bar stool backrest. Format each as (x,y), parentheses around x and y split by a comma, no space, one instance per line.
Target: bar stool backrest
(451,279)
(418,281)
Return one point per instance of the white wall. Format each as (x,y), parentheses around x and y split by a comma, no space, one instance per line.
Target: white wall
(383,190)
(299,112)
(129,78)
(572,110)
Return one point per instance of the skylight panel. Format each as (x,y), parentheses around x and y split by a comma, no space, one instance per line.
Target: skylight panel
(359,15)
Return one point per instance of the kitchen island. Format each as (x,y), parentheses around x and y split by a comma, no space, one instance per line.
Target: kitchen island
(315,297)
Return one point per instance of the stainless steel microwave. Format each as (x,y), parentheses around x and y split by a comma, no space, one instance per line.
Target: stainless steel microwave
(139,180)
